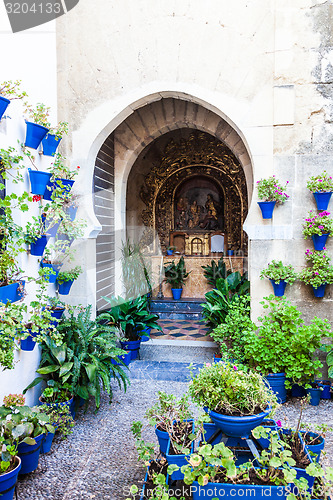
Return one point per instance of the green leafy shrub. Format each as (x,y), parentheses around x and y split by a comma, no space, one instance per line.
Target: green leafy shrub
(319,271)
(214,271)
(270,189)
(176,274)
(320,183)
(70,275)
(277,271)
(319,224)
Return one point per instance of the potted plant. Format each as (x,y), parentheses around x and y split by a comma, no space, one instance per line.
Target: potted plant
(62,178)
(279,275)
(38,178)
(271,192)
(37,324)
(52,140)
(170,250)
(319,227)
(11,322)
(313,436)
(9,91)
(62,421)
(319,273)
(321,186)
(38,127)
(65,279)
(175,275)
(215,271)
(131,318)
(283,347)
(36,236)
(11,282)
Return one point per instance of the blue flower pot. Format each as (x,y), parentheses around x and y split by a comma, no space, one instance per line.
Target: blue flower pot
(320,291)
(322,200)
(47,442)
(276,381)
(34,135)
(52,276)
(279,287)
(297,391)
(51,227)
(179,460)
(37,248)
(64,288)
(8,482)
(163,440)
(267,208)
(124,358)
(4,103)
(71,211)
(230,252)
(50,144)
(12,292)
(65,184)
(238,426)
(146,336)
(319,241)
(29,455)
(209,429)
(326,389)
(220,491)
(314,396)
(169,252)
(176,293)
(38,181)
(314,448)
(29,343)
(133,346)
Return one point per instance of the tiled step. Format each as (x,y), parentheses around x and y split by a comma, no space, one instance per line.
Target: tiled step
(177,309)
(162,370)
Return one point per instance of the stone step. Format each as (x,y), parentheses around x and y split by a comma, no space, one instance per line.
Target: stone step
(177,354)
(162,370)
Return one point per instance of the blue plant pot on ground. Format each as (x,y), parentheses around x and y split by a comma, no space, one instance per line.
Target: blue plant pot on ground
(29,455)
(50,144)
(34,135)
(322,200)
(319,241)
(125,358)
(267,208)
(279,287)
(297,391)
(29,343)
(70,403)
(237,426)
(146,336)
(38,181)
(65,184)
(47,442)
(37,248)
(179,460)
(8,482)
(176,293)
(163,440)
(64,288)
(133,346)
(4,103)
(326,389)
(320,291)
(12,292)
(52,276)
(314,448)
(314,396)
(276,381)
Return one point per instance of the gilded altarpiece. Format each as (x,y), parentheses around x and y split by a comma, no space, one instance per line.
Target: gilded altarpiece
(203,161)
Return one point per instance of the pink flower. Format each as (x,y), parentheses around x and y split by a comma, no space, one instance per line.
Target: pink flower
(208,364)
(287,182)
(278,423)
(316,272)
(235,368)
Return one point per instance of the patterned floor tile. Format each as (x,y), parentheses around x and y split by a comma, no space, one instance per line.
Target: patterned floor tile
(182,330)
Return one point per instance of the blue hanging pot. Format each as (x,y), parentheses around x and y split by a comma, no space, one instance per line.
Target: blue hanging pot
(51,276)
(319,292)
(29,343)
(3,105)
(322,200)
(65,184)
(34,135)
(279,287)
(37,247)
(56,314)
(267,208)
(38,181)
(71,212)
(12,292)
(64,288)
(50,144)
(319,241)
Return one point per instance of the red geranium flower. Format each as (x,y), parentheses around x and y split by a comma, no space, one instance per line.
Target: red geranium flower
(36,197)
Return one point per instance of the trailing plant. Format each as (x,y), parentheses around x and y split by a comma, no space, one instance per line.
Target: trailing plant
(319,224)
(131,318)
(11,325)
(136,271)
(9,270)
(11,165)
(231,390)
(38,114)
(70,275)
(270,189)
(214,271)
(34,230)
(322,183)
(320,270)
(60,169)
(284,343)
(60,130)
(219,300)
(175,274)
(11,90)
(60,418)
(277,271)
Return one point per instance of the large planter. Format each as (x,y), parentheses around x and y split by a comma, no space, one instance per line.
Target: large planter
(51,276)
(37,247)
(8,481)
(238,426)
(163,440)
(219,491)
(279,287)
(65,184)
(12,292)
(29,343)
(133,346)
(34,135)
(276,382)
(319,241)
(64,288)
(322,200)
(179,460)
(38,181)
(326,389)
(123,359)
(319,292)
(267,208)
(176,293)
(29,455)
(70,403)
(316,449)
(4,103)
(314,395)
(50,144)
(297,391)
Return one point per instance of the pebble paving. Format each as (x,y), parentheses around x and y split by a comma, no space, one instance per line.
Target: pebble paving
(99,459)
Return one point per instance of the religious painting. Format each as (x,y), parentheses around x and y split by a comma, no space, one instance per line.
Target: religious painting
(199,205)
